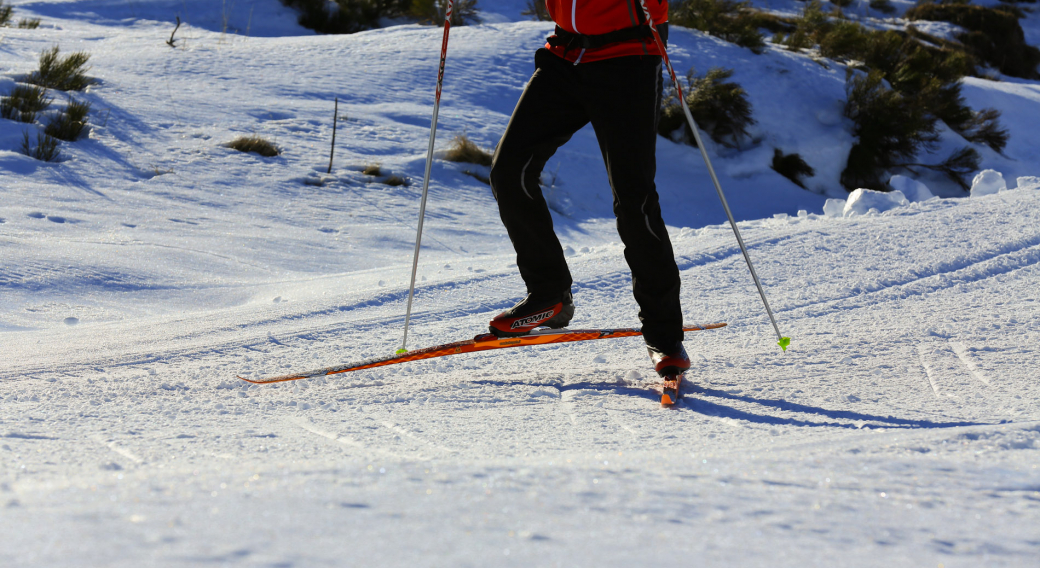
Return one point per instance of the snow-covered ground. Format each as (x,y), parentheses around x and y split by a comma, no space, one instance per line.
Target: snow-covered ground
(152,265)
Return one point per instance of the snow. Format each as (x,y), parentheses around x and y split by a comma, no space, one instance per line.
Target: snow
(912,189)
(987,182)
(153,264)
(863,201)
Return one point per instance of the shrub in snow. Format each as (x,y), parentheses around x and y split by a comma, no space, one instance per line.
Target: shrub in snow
(731,20)
(537,10)
(987,182)
(994,34)
(7,13)
(70,124)
(254,144)
(791,166)
(911,188)
(346,16)
(372,170)
(24,103)
(61,73)
(45,149)
(463,149)
(883,6)
(432,11)
(861,201)
(889,127)
(395,181)
(720,108)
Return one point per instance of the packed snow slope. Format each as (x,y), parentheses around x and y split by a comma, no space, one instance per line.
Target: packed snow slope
(152,265)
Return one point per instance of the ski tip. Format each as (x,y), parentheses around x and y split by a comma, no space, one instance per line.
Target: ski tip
(241,378)
(784,343)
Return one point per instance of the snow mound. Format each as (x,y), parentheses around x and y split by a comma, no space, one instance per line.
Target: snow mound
(1028,182)
(988,182)
(861,201)
(834,207)
(911,188)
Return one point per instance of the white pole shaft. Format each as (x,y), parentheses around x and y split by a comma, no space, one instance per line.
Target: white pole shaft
(426,175)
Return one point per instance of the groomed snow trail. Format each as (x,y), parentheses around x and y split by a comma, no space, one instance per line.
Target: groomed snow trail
(902,428)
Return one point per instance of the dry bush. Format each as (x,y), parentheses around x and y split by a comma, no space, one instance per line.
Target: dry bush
(395,181)
(372,170)
(61,73)
(463,149)
(24,103)
(478,176)
(254,144)
(46,148)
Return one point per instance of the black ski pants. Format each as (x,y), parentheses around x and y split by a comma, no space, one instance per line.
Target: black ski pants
(621,98)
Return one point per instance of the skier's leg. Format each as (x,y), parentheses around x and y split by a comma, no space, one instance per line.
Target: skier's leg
(544,119)
(624,101)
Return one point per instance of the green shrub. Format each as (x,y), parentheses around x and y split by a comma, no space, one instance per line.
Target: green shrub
(432,12)
(69,125)
(348,16)
(24,103)
(994,35)
(537,11)
(883,6)
(720,108)
(6,12)
(889,127)
(46,147)
(791,166)
(61,73)
(731,20)
(254,144)
(463,149)
(29,23)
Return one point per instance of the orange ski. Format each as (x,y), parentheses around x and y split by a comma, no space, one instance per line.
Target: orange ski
(479,343)
(670,390)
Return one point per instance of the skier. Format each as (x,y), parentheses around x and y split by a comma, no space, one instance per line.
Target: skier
(601,66)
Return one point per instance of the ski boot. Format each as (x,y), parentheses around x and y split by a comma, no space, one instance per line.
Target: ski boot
(553,311)
(671,367)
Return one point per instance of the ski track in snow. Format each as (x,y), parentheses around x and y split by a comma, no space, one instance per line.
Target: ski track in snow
(153,265)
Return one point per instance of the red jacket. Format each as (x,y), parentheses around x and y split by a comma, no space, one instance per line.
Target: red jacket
(595,17)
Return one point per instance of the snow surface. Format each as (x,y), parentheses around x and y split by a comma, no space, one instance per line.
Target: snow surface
(144,272)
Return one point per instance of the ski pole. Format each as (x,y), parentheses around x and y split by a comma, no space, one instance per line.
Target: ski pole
(783,341)
(426,175)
